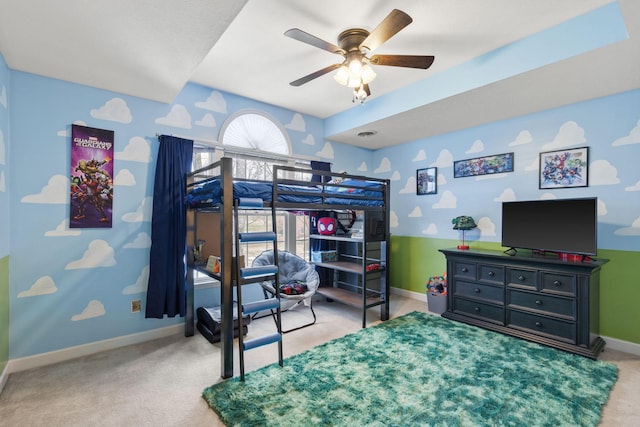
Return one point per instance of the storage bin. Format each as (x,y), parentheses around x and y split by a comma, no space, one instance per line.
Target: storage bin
(436,302)
(324,256)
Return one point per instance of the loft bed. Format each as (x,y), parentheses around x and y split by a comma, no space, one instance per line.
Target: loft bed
(211,194)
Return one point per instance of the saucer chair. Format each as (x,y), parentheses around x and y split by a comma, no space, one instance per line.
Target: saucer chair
(291,268)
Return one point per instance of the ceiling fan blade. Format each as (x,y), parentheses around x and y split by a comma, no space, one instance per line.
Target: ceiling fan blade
(314,75)
(394,22)
(409,61)
(298,34)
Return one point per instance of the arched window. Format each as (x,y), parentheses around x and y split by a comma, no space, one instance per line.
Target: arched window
(255,130)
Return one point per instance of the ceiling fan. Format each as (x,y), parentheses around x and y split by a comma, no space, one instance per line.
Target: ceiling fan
(355,44)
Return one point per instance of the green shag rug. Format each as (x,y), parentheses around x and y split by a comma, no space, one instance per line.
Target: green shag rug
(420,370)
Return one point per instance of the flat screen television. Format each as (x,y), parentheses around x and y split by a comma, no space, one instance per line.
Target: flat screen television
(563,226)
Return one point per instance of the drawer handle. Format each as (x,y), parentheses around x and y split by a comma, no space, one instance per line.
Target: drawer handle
(521,278)
(539,324)
(557,282)
(465,269)
(491,274)
(538,302)
(477,309)
(476,290)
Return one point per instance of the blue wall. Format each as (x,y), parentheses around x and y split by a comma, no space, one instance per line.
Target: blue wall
(74,286)
(609,126)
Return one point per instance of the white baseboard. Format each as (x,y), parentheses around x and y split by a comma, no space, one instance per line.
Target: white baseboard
(4,377)
(30,362)
(410,294)
(624,346)
(612,343)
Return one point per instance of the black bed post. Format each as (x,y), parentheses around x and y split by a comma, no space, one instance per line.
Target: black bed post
(226,277)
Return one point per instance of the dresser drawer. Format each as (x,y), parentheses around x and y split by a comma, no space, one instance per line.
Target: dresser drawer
(563,284)
(522,278)
(480,310)
(554,306)
(479,291)
(541,325)
(465,270)
(491,274)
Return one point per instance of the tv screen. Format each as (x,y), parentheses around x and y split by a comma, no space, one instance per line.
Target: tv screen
(560,225)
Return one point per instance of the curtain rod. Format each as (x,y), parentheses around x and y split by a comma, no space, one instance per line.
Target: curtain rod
(238,150)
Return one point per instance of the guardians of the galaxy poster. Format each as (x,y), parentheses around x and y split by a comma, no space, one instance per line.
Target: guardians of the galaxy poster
(91,177)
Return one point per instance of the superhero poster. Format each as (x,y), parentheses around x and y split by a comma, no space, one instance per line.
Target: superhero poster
(91,177)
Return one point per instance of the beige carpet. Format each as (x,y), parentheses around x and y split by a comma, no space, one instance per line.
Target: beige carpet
(159,383)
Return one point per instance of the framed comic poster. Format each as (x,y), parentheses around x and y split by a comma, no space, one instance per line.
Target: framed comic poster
(91,204)
(427,181)
(564,168)
(499,163)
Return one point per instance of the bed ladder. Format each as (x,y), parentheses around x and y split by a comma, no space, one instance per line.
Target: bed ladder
(247,275)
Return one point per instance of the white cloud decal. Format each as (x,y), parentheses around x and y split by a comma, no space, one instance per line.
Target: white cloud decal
(3,183)
(66,132)
(393,219)
(142,214)
(125,178)
(420,156)
(476,147)
(635,187)
(93,309)
(178,117)
(634,230)
(445,159)
(326,152)
(441,180)
(524,137)
(137,150)
(409,186)
(141,283)
(548,196)
(632,138)
(63,230)
(447,201)
(43,286)
(362,167)
(570,133)
(534,165)
(395,176)
(431,230)
(215,102)
(416,213)
(142,241)
(98,254)
(486,226)
(508,195)
(385,166)
(309,140)
(55,192)
(207,121)
(115,110)
(297,123)
(603,173)
(602,208)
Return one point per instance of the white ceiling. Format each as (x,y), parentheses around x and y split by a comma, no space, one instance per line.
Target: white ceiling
(152,48)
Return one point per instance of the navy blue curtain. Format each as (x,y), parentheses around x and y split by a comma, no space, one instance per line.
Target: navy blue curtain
(166,292)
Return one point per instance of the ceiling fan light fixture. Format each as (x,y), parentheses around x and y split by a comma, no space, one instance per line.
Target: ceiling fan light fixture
(342,75)
(354,82)
(367,74)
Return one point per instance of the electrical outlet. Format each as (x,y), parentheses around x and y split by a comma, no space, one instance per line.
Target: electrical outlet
(135,306)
